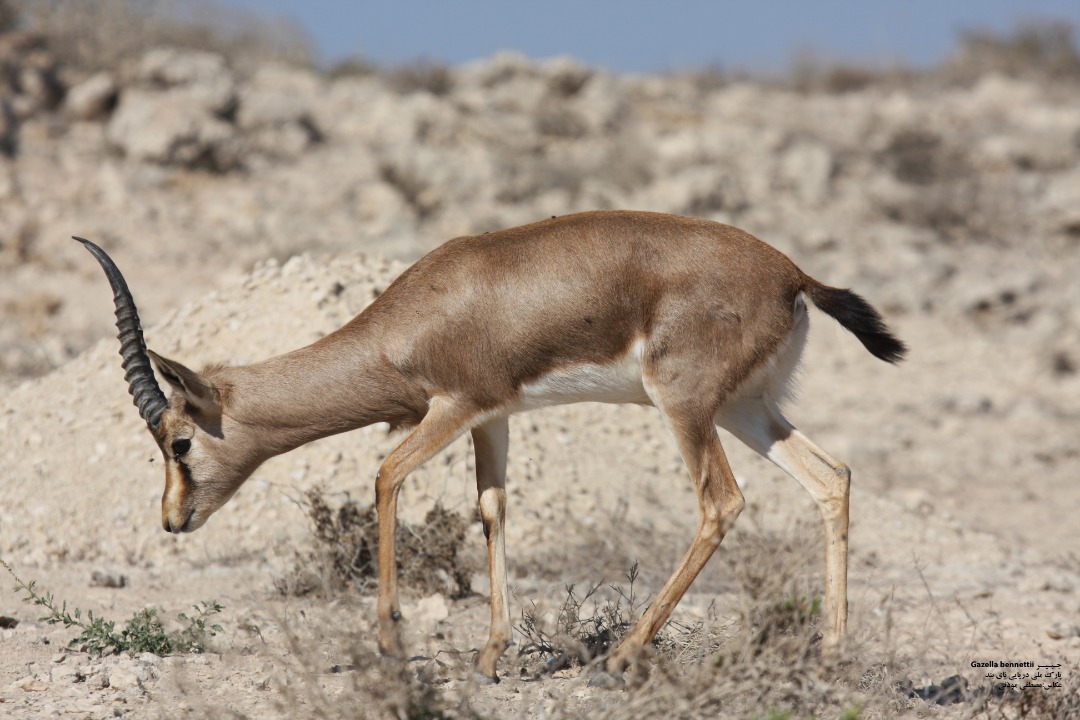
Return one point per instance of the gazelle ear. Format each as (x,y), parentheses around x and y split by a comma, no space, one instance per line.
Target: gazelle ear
(197,389)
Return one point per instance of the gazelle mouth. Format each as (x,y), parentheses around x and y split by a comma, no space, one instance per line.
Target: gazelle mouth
(177,529)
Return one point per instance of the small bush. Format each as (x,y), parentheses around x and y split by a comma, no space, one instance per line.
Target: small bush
(142,633)
(347,551)
(577,638)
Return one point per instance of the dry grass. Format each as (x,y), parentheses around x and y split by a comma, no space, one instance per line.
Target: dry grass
(368,686)
(757,655)
(362,684)
(1061,703)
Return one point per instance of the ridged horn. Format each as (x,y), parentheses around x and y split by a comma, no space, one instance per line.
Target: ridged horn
(136,363)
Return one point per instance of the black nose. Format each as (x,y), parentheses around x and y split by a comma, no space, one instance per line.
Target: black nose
(168,526)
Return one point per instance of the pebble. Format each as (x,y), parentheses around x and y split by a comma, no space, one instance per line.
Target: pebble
(31,683)
(67,674)
(1063,630)
(124,679)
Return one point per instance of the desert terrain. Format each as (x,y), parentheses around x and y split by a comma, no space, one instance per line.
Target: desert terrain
(256,204)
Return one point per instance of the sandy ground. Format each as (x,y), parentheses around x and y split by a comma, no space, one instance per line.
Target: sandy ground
(962,543)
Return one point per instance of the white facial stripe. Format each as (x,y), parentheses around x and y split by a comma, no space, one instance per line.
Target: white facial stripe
(174,487)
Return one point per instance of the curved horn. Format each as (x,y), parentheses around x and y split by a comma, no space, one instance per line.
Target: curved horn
(136,363)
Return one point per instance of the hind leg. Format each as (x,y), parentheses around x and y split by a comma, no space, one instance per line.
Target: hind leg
(759,424)
(719,502)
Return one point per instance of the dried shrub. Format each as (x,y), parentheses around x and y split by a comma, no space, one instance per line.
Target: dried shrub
(1039,49)
(944,194)
(422,76)
(833,78)
(709,78)
(415,189)
(558,120)
(576,637)
(915,156)
(346,551)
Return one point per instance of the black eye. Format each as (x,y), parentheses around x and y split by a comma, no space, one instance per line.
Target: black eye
(180,447)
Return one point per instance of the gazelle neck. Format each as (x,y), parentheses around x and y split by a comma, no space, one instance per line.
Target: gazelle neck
(323,389)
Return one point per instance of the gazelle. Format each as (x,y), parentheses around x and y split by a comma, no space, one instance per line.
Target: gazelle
(702,321)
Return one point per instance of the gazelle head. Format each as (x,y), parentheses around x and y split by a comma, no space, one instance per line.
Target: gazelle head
(208,455)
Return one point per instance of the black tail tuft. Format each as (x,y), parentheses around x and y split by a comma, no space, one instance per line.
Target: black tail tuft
(859,317)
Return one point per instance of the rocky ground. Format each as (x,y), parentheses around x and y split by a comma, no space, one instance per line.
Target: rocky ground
(251,212)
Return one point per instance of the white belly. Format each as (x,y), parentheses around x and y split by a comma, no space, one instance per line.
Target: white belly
(618,381)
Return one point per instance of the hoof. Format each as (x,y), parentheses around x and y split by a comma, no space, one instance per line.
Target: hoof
(392,651)
(604,681)
(482,679)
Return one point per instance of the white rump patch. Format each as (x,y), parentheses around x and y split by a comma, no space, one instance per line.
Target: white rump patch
(776,380)
(619,381)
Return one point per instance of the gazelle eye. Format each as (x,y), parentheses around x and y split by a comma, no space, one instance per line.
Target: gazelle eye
(180,447)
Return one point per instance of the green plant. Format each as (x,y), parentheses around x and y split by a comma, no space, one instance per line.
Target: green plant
(142,633)
(777,715)
(801,610)
(852,712)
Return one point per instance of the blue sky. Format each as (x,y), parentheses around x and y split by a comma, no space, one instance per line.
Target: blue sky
(640,36)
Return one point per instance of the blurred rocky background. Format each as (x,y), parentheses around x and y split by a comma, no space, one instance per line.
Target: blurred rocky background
(191,148)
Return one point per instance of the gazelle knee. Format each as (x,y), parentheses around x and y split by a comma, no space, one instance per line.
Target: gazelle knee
(492,502)
(732,510)
(719,517)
